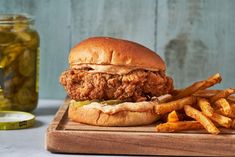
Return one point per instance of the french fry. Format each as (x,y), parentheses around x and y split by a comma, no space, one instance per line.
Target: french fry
(197,115)
(172,117)
(209,112)
(231,99)
(233,108)
(189,90)
(224,105)
(178,126)
(222,94)
(200,85)
(217,108)
(206,93)
(212,81)
(164,98)
(205,107)
(221,120)
(176,91)
(220,111)
(174,105)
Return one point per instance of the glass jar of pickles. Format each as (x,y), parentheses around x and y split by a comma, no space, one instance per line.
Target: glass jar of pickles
(19,54)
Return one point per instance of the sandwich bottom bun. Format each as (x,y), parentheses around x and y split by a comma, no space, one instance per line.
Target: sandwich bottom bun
(122,118)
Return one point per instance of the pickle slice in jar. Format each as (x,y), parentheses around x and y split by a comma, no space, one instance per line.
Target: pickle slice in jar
(10,53)
(11,79)
(4,102)
(25,96)
(27,63)
(14,47)
(11,86)
(34,43)
(30,83)
(21,23)
(20,26)
(29,38)
(6,38)
(24,36)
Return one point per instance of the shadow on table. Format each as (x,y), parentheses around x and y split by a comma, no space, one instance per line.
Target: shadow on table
(38,124)
(46,111)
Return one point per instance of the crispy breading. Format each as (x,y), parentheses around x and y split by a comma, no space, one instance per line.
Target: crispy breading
(138,85)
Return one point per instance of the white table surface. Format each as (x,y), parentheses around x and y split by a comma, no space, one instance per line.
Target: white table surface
(30,142)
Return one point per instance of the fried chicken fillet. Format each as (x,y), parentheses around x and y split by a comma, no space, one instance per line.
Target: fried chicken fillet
(138,85)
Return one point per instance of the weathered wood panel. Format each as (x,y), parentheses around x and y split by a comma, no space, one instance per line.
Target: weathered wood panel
(53,21)
(197,38)
(133,20)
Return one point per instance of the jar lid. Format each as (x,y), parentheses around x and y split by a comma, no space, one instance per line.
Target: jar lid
(10,120)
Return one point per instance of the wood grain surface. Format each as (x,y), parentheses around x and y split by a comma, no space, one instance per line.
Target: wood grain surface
(195,37)
(64,136)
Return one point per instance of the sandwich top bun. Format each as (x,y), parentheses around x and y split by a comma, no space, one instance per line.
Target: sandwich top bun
(117,52)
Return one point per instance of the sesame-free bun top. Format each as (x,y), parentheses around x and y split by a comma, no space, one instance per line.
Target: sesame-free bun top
(112,51)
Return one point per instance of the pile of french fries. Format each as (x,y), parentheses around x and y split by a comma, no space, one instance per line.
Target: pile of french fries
(195,108)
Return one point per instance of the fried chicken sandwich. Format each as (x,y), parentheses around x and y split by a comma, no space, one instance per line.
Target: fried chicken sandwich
(113,82)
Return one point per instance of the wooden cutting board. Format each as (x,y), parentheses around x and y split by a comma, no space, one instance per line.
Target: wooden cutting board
(65,136)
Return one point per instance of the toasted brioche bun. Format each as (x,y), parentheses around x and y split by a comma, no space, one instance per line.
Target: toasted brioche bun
(111,51)
(123,118)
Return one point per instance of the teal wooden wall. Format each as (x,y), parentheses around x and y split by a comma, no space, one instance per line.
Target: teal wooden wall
(195,37)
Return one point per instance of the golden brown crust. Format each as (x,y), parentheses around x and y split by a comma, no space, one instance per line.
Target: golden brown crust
(111,51)
(123,118)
